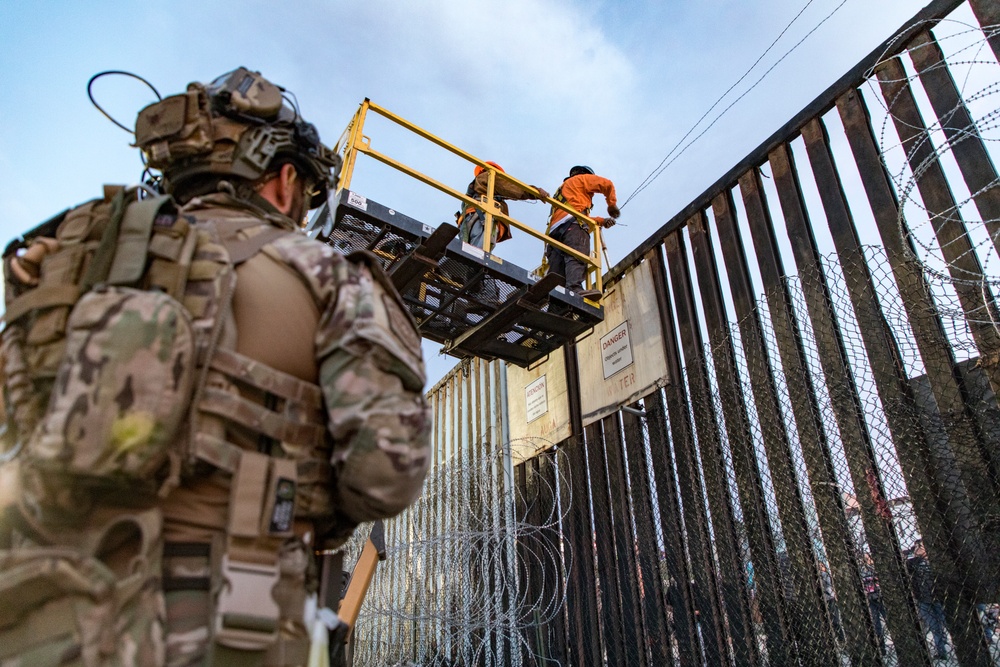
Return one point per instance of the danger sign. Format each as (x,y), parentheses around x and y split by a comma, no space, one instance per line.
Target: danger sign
(616,350)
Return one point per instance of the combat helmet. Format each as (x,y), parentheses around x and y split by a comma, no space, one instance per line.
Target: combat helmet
(238,125)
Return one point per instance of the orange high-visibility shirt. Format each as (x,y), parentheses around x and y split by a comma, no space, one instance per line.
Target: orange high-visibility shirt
(579,191)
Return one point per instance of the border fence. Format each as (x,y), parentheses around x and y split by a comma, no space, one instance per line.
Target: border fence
(797,459)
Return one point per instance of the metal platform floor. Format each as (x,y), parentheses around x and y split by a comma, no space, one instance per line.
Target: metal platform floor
(470,301)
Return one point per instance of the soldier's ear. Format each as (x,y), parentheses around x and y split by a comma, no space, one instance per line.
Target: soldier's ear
(280,190)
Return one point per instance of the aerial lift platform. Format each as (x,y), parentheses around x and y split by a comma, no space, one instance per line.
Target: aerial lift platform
(470,300)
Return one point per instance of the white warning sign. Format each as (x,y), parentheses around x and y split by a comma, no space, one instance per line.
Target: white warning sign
(623,360)
(616,350)
(536,401)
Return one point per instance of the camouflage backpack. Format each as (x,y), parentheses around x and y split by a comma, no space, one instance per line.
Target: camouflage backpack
(100,348)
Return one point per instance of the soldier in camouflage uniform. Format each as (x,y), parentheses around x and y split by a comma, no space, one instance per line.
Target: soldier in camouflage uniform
(309,417)
(304,310)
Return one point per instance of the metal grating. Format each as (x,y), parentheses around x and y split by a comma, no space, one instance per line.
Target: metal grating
(472,302)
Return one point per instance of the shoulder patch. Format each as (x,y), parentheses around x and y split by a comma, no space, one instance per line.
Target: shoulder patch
(402,324)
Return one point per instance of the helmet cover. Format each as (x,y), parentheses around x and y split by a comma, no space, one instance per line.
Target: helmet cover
(238,125)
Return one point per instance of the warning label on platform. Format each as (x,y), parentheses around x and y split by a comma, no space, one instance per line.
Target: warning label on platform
(357,201)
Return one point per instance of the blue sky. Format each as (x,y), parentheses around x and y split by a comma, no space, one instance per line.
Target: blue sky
(537,85)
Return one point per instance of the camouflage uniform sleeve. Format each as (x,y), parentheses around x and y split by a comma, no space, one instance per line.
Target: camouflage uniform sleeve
(372,374)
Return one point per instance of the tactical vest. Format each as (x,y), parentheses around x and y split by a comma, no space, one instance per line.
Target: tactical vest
(119,387)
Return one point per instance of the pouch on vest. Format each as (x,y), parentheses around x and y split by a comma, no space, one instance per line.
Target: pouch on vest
(91,604)
(121,391)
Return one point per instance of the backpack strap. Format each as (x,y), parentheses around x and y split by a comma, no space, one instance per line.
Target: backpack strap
(132,243)
(43,296)
(100,263)
(242,249)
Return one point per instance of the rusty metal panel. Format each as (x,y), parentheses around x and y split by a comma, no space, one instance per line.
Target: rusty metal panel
(581,593)
(611,603)
(887,371)
(705,582)
(664,438)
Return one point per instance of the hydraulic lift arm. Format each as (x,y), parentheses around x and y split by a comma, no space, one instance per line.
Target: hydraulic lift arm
(349,605)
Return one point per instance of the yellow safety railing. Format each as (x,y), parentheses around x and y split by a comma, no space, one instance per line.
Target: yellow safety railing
(353,142)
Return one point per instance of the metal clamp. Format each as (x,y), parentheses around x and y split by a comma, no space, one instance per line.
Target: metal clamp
(246,616)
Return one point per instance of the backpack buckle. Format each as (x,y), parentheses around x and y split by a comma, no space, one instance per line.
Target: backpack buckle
(246,616)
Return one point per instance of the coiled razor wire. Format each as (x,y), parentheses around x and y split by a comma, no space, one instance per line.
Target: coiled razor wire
(453,588)
(965,52)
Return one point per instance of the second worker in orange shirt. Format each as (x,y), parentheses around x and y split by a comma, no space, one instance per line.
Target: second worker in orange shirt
(577,191)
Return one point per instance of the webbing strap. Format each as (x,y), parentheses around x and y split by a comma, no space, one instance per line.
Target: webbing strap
(240,250)
(226,456)
(133,241)
(247,616)
(247,494)
(257,418)
(217,452)
(43,296)
(261,376)
(100,263)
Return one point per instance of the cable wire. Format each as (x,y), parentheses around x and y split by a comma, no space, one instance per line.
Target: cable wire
(97,76)
(672,156)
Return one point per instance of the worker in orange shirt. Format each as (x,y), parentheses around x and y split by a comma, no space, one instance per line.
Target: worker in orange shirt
(472,221)
(577,191)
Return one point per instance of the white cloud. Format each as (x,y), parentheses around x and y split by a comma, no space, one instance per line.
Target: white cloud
(538,85)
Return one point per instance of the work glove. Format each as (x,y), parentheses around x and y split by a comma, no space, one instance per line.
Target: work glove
(614,211)
(608,222)
(542,192)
